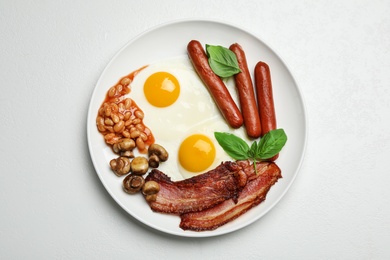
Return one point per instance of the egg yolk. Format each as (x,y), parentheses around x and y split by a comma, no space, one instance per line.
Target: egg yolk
(196,153)
(161,89)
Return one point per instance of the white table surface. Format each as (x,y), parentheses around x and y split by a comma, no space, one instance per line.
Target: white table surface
(53,205)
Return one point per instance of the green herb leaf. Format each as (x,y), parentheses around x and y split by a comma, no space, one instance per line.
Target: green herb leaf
(222,61)
(271,144)
(233,145)
(252,151)
(268,146)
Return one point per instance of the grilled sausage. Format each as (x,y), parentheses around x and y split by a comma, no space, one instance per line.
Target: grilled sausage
(246,94)
(265,99)
(214,84)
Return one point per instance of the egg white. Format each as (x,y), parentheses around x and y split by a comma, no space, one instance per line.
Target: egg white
(194,112)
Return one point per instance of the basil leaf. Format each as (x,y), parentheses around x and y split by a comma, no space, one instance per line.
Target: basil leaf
(252,151)
(233,145)
(222,61)
(271,144)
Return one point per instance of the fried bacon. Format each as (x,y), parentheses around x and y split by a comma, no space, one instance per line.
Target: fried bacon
(197,193)
(253,194)
(212,199)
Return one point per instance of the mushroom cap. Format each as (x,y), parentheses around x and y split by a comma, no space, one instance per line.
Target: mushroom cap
(139,165)
(120,165)
(150,188)
(159,151)
(133,183)
(154,161)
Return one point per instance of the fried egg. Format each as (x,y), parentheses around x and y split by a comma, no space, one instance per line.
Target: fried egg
(182,116)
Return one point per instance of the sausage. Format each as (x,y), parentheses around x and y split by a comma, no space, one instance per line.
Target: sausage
(214,84)
(246,94)
(265,99)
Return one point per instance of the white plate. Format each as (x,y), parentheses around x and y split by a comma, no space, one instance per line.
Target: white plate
(170,40)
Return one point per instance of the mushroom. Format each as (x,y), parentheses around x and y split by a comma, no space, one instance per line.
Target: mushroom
(128,154)
(154,161)
(133,183)
(124,147)
(150,188)
(120,165)
(156,154)
(150,198)
(139,165)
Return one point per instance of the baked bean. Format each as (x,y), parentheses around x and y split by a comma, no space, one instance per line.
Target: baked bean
(109,136)
(139,114)
(127,115)
(128,103)
(107,111)
(108,121)
(128,123)
(143,136)
(115,118)
(112,139)
(101,111)
(140,144)
(114,107)
(100,120)
(121,107)
(136,121)
(134,134)
(112,92)
(109,128)
(140,127)
(118,127)
(101,128)
(125,81)
(126,134)
(119,88)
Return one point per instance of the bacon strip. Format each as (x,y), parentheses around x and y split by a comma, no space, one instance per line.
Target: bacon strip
(253,194)
(199,192)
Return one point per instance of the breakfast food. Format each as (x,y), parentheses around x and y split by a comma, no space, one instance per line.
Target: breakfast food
(252,194)
(120,117)
(246,94)
(209,200)
(161,89)
(197,193)
(203,150)
(120,166)
(157,154)
(265,99)
(217,88)
(192,118)
(206,185)
(133,183)
(150,190)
